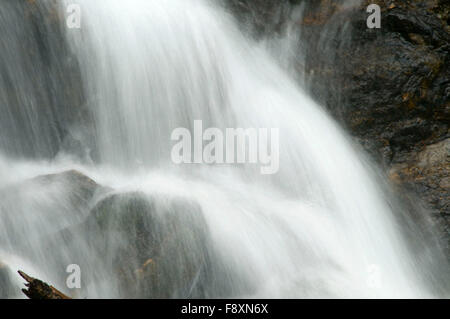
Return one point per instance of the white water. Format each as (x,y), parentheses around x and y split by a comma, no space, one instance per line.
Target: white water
(321,227)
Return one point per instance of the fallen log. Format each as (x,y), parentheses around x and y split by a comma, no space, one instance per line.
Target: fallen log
(37,289)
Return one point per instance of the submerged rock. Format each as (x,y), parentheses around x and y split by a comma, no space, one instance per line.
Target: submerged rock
(81,189)
(135,244)
(7,287)
(42,205)
(389,87)
(155,246)
(34,211)
(41,94)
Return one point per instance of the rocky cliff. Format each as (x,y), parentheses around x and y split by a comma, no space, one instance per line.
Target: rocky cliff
(390,87)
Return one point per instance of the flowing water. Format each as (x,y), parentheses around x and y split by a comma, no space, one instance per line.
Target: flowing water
(322,226)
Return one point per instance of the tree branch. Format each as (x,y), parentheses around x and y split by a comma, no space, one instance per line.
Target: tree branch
(37,289)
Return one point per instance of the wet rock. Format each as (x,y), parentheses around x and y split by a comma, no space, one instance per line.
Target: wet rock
(428,174)
(35,210)
(436,154)
(263,18)
(389,87)
(32,211)
(260,17)
(81,189)
(41,94)
(7,288)
(136,245)
(158,247)
(62,194)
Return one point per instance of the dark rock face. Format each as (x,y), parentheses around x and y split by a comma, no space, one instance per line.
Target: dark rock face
(389,87)
(428,173)
(392,82)
(82,189)
(40,82)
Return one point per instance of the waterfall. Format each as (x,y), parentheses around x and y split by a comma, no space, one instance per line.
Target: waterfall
(322,226)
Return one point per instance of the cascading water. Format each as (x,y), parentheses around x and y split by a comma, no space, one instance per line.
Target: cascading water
(321,227)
